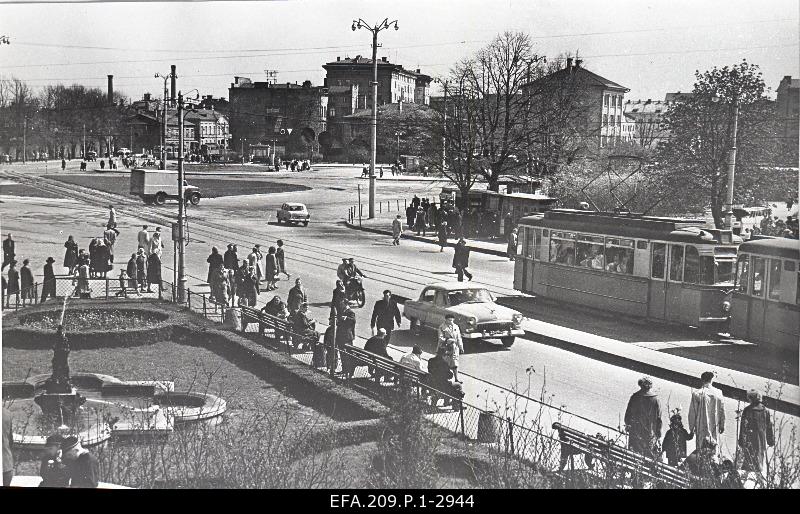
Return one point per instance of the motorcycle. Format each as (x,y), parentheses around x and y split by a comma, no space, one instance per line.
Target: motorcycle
(354,292)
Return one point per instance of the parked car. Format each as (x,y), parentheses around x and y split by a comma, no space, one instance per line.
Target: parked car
(123,152)
(294,213)
(91,155)
(476,313)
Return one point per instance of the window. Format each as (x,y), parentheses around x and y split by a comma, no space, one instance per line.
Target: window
(537,244)
(774,292)
(659,260)
(723,270)
(742,273)
(641,245)
(619,255)
(691,269)
(676,263)
(429,295)
(469,296)
(441,299)
(603,141)
(529,238)
(589,252)
(759,267)
(562,248)
(605,100)
(605,119)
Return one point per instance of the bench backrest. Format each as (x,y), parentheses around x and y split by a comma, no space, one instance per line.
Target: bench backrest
(386,364)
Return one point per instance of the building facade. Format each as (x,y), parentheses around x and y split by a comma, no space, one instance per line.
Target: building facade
(788,106)
(395,83)
(647,117)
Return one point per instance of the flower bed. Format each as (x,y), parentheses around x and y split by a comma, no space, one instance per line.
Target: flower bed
(93,319)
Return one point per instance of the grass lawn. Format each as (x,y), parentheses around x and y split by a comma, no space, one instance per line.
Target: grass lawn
(24,190)
(209,187)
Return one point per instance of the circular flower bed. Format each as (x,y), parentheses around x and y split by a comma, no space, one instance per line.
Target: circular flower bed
(107,320)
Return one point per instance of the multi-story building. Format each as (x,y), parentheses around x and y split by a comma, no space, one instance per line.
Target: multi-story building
(203,131)
(291,117)
(395,83)
(788,106)
(599,102)
(647,117)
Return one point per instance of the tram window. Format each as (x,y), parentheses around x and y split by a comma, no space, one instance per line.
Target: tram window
(676,263)
(691,268)
(527,243)
(788,266)
(742,273)
(562,248)
(724,272)
(774,292)
(641,245)
(759,268)
(537,244)
(619,255)
(589,252)
(659,259)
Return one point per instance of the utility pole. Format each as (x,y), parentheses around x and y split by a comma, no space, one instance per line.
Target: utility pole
(385,24)
(732,167)
(24,140)
(170,75)
(84,140)
(181,208)
(444,132)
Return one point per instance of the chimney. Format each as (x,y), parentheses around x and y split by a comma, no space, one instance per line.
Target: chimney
(569,63)
(172,76)
(385,59)
(338,58)
(578,62)
(111,90)
(147,97)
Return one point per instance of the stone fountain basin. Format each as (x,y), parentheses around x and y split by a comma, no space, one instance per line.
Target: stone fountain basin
(143,408)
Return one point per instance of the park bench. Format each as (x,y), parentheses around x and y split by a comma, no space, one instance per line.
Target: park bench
(281,329)
(615,457)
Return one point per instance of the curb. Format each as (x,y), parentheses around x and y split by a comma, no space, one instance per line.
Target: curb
(678,377)
(413,237)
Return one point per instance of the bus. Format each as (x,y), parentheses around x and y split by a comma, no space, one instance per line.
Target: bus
(764,307)
(668,269)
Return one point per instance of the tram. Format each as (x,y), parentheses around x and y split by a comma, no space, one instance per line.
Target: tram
(764,306)
(668,269)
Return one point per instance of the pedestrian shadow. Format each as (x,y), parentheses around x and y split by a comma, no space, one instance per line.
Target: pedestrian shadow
(320,304)
(405,339)
(443,272)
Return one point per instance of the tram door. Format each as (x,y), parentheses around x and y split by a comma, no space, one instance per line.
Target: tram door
(757,310)
(656,306)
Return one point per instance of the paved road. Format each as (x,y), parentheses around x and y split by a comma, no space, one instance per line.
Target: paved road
(582,385)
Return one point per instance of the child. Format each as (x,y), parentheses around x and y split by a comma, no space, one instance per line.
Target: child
(674,444)
(52,470)
(123,282)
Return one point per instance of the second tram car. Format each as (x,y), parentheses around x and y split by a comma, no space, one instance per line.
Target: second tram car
(766,300)
(669,269)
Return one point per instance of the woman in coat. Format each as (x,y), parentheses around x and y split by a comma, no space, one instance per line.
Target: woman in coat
(271,269)
(345,335)
(153,271)
(131,271)
(12,288)
(94,264)
(70,255)
(214,261)
(26,281)
(755,434)
(442,233)
(141,269)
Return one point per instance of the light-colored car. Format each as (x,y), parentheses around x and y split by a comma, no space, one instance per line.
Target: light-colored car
(293,213)
(476,313)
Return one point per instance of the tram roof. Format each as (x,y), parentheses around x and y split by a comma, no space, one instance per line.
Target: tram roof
(629,225)
(777,247)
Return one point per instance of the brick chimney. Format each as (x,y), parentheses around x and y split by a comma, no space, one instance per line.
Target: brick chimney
(111,90)
(569,63)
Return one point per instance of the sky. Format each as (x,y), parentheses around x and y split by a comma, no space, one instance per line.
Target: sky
(652,47)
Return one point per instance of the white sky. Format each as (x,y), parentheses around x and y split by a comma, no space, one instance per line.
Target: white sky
(651,47)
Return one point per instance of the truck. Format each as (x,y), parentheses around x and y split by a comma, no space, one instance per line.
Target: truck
(155,186)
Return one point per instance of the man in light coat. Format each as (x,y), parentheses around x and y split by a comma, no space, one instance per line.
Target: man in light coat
(144,238)
(397,230)
(706,410)
(450,339)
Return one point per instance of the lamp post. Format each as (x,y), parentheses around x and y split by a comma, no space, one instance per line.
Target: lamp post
(164,119)
(181,205)
(385,24)
(728,224)
(398,134)
(445,83)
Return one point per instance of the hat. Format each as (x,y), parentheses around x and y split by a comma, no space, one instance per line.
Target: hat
(50,259)
(416,350)
(381,331)
(257,246)
(158,229)
(753,396)
(55,439)
(69,443)
(350,259)
(344,259)
(26,261)
(645,382)
(230,245)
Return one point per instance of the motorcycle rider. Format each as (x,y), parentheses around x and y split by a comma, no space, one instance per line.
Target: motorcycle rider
(351,271)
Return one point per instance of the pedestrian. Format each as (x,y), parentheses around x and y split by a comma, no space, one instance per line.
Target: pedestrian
(154,271)
(218,282)
(345,335)
(280,256)
(215,261)
(51,467)
(397,230)
(249,285)
(643,420)
(329,342)
(83,273)
(432,214)
(461,260)
(141,269)
(755,434)
(706,410)
(512,245)
(255,259)
(377,345)
(130,271)
(144,238)
(442,233)
(231,262)
(339,299)
(103,257)
(414,359)
(102,164)
(112,219)
(449,338)
(49,283)
(8,250)
(8,455)
(411,214)
(271,269)
(109,238)
(156,245)
(70,255)
(415,202)
(82,467)
(508,223)
(12,286)
(26,282)
(419,221)
(384,314)
(63,164)
(296,297)
(123,284)
(674,445)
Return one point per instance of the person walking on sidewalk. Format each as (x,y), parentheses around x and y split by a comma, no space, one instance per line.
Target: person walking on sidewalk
(512,245)
(442,233)
(449,338)
(215,261)
(755,434)
(280,256)
(144,238)
(643,420)
(109,239)
(419,221)
(385,313)
(461,260)
(112,219)
(706,410)
(397,230)
(271,269)
(411,213)
(26,281)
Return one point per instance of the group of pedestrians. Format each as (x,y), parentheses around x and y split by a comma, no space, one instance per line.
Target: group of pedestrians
(234,283)
(705,424)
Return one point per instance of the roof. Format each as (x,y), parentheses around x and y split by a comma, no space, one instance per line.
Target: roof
(455,286)
(646,106)
(526,196)
(588,77)
(777,247)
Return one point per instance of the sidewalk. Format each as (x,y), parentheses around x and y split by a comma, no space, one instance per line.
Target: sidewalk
(383,225)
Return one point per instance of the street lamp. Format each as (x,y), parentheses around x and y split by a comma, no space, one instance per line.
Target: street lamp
(181,279)
(164,120)
(398,134)
(445,83)
(385,24)
(731,162)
